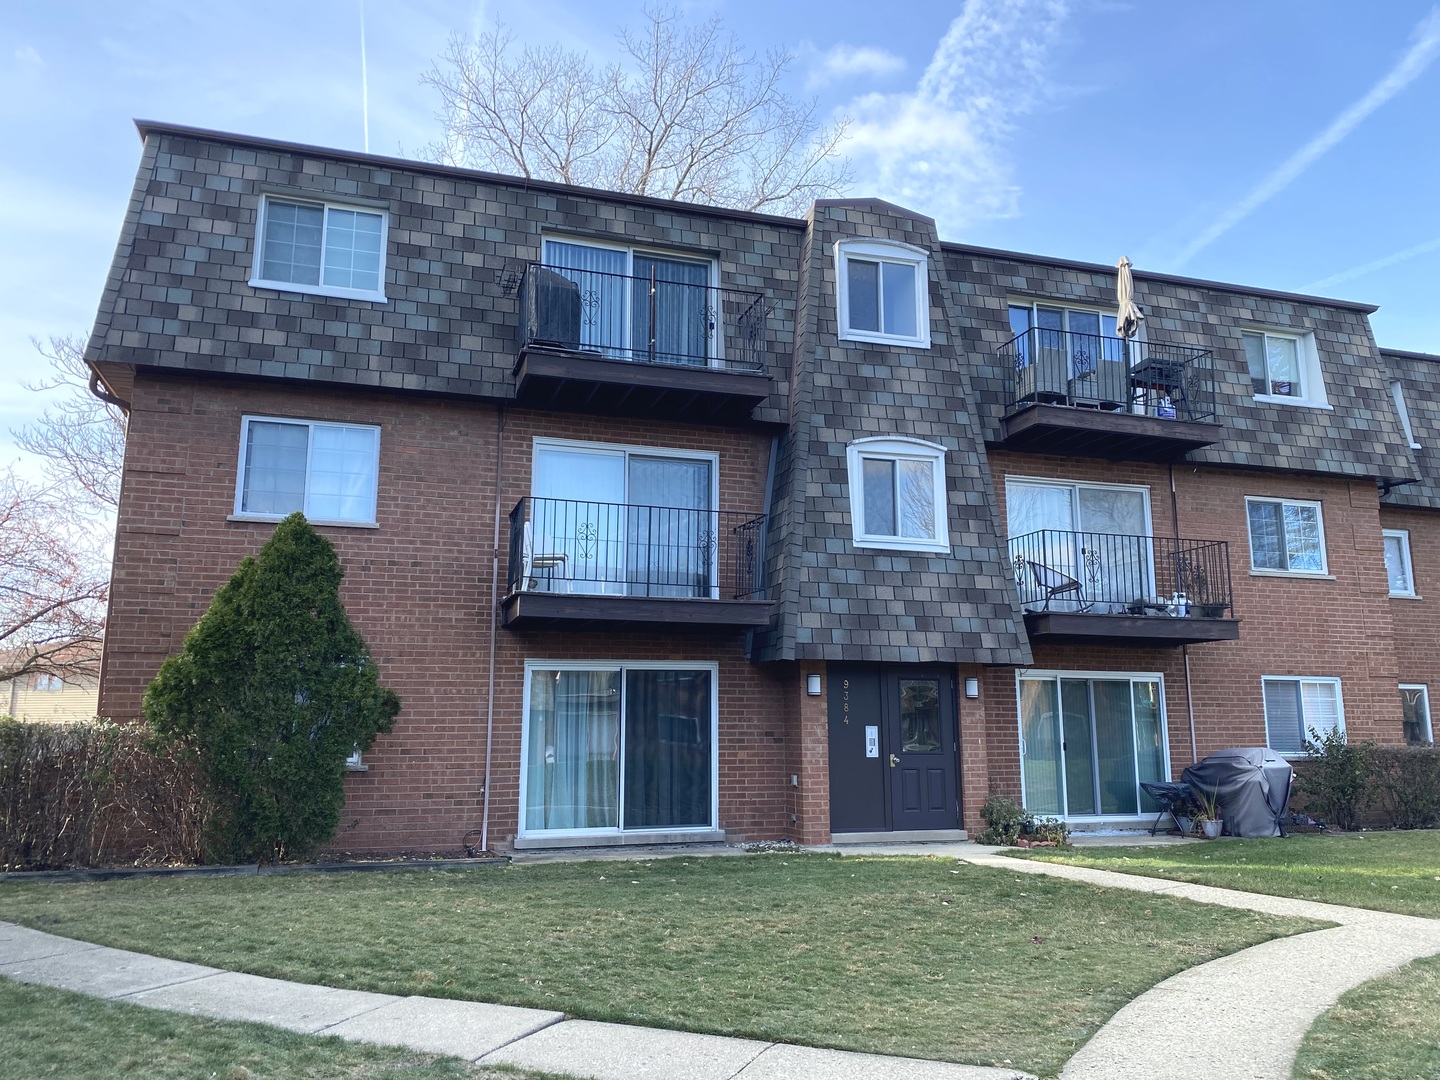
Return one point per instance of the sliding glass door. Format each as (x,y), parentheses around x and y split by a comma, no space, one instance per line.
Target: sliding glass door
(1087,743)
(624,522)
(613,748)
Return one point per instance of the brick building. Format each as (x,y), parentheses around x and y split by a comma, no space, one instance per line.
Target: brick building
(675,523)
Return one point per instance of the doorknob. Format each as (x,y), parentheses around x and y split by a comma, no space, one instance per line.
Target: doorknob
(894,761)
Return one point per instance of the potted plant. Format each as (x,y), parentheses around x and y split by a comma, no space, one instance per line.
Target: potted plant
(1208,815)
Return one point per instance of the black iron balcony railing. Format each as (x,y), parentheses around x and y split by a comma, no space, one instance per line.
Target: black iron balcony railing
(647,320)
(612,549)
(1057,367)
(1110,574)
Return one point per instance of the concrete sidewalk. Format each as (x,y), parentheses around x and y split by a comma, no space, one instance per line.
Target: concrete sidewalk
(489,1034)
(1241,1017)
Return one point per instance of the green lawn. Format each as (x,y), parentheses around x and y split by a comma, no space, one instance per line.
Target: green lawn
(1383,1030)
(1387,871)
(922,957)
(47,1032)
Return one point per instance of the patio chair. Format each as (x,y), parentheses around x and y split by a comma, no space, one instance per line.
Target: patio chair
(552,564)
(1055,584)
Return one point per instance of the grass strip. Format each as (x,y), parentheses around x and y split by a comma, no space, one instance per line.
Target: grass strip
(920,957)
(1386,871)
(1382,1030)
(48,1032)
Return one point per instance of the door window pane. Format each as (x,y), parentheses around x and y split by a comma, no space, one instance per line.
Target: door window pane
(572,776)
(919,715)
(1149,740)
(667,749)
(1040,730)
(600,274)
(1078,748)
(863,294)
(671,538)
(684,319)
(1114,746)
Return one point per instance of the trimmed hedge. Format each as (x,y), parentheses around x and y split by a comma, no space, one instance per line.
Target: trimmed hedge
(1366,783)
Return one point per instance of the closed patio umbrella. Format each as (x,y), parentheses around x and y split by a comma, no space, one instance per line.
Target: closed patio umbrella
(1128,314)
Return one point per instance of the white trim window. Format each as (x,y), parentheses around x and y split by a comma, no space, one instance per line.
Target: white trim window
(1415,711)
(326,248)
(883,292)
(897,494)
(1287,536)
(327,471)
(1397,562)
(1298,710)
(612,747)
(48,683)
(1284,368)
(1397,394)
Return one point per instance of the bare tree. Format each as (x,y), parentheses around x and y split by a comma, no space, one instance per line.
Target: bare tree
(53,583)
(81,438)
(690,116)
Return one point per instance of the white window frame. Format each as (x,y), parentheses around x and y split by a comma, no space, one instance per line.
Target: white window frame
(1403,535)
(240,514)
(897,448)
(47,683)
(885,251)
(1424,691)
(1312,382)
(1266,571)
(716,344)
(259,281)
(1316,680)
(1054,674)
(622,666)
(1397,394)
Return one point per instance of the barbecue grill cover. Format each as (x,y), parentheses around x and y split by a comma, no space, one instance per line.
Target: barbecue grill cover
(1252,786)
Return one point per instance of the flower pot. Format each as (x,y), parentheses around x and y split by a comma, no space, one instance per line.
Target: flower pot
(1212,829)
(1186,825)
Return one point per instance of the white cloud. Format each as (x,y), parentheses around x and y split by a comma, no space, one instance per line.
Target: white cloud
(1425,47)
(940,149)
(848,61)
(29,57)
(1377,264)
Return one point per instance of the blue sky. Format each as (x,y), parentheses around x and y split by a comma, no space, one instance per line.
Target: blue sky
(1290,144)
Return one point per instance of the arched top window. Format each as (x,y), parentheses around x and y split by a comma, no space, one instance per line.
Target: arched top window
(897,494)
(883,292)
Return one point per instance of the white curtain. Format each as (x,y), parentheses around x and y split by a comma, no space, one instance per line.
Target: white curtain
(342,473)
(600,273)
(572,776)
(672,535)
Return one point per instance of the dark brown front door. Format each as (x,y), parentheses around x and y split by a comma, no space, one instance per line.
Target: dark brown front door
(893,750)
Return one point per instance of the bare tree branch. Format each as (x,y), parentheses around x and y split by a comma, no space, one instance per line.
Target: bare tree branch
(690,116)
(53,584)
(81,438)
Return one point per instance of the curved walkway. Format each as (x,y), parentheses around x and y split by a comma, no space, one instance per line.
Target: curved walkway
(1243,1016)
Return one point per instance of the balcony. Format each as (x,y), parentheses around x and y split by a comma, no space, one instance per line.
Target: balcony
(583,565)
(640,346)
(1104,397)
(1106,588)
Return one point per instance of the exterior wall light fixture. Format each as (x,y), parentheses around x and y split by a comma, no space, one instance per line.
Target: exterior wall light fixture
(812,685)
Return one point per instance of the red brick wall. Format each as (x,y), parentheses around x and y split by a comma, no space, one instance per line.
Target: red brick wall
(1339,627)
(418,588)
(1417,620)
